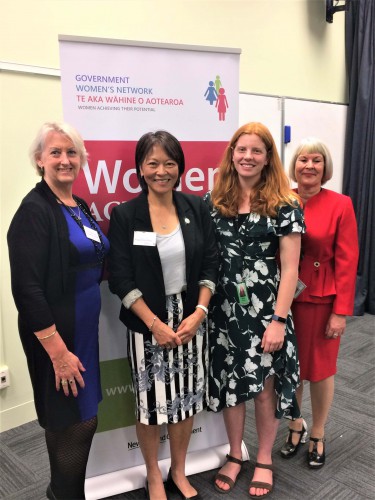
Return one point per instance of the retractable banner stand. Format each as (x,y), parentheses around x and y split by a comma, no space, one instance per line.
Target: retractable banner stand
(113,92)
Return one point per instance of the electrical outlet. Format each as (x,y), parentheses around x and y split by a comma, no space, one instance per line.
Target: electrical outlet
(4,377)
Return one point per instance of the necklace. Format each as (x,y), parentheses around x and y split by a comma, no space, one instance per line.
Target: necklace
(98,245)
(72,212)
(163,221)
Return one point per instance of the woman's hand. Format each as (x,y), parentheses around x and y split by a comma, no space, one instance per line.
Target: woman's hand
(68,370)
(336,326)
(66,365)
(164,335)
(273,338)
(189,326)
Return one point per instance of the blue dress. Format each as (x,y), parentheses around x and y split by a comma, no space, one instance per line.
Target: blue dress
(88,272)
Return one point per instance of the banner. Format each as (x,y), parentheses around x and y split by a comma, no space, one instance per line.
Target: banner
(113,92)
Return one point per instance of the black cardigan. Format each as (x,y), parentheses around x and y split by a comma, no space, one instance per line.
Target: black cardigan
(43,288)
(39,249)
(132,266)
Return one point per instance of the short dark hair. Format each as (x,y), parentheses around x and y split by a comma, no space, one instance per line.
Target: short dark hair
(170,145)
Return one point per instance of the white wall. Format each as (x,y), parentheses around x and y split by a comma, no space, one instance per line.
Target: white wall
(287,49)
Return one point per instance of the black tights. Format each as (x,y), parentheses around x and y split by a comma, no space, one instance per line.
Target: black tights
(68,452)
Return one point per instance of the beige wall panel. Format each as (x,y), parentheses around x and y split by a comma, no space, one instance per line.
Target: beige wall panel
(26,101)
(288,48)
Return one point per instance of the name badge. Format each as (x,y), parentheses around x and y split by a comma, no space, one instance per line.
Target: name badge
(91,234)
(242,296)
(144,238)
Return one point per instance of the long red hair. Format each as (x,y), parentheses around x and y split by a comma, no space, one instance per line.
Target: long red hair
(273,188)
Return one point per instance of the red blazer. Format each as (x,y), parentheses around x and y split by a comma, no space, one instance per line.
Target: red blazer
(329,252)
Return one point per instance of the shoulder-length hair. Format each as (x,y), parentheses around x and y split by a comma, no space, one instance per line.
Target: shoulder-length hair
(311,145)
(273,188)
(170,145)
(70,132)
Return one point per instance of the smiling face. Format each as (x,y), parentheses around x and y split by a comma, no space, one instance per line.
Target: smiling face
(309,169)
(249,157)
(60,161)
(159,171)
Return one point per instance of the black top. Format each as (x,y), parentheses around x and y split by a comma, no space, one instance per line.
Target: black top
(133,266)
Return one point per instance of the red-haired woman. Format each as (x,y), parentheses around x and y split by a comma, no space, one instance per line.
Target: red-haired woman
(252,343)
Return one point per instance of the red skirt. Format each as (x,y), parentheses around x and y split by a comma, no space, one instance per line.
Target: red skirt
(317,354)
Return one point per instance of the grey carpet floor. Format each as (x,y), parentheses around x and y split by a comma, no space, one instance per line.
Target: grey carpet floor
(347,475)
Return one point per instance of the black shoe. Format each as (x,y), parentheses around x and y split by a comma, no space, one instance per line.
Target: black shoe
(49,493)
(171,486)
(289,449)
(314,459)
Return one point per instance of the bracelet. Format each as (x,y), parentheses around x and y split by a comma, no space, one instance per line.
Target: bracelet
(47,336)
(152,323)
(275,317)
(204,308)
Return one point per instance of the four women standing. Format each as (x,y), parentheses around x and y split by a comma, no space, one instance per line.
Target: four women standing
(164,267)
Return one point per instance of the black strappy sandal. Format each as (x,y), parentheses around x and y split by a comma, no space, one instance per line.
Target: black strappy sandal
(289,449)
(315,459)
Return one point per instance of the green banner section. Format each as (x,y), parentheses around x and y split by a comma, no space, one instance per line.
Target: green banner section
(118,406)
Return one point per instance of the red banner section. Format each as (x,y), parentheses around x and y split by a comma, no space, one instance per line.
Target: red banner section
(110,177)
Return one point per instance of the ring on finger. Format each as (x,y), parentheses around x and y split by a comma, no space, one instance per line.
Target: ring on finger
(64,382)
(71,381)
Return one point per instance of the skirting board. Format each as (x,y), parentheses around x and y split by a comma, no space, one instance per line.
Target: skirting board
(133,478)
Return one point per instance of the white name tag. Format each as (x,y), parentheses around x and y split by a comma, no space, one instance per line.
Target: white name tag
(144,238)
(91,234)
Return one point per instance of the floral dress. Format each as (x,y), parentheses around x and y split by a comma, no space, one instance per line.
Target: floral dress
(248,248)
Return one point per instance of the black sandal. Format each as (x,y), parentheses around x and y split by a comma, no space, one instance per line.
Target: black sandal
(315,459)
(289,449)
(226,479)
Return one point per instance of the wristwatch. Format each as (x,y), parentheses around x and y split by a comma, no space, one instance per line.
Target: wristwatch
(275,317)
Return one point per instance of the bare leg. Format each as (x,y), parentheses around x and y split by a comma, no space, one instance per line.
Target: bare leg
(267,425)
(321,400)
(234,419)
(149,438)
(179,437)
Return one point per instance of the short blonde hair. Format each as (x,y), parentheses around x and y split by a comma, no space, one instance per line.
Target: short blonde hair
(37,145)
(312,145)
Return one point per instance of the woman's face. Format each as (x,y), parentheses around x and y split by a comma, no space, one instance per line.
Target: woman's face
(159,171)
(309,169)
(249,157)
(60,160)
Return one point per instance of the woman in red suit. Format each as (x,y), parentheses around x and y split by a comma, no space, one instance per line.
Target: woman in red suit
(328,269)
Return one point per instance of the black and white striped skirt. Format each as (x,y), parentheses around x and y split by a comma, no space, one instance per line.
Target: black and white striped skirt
(170,385)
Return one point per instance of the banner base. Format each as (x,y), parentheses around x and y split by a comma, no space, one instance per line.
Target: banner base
(133,478)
